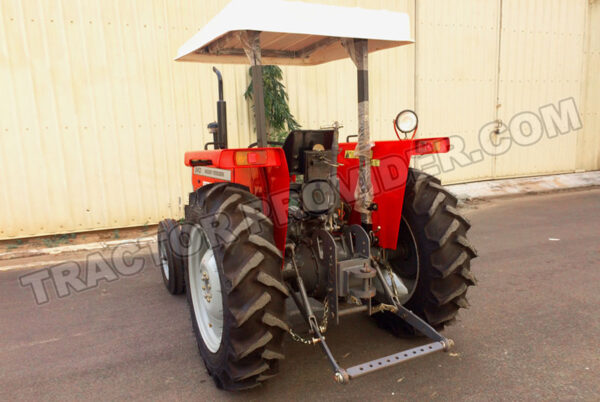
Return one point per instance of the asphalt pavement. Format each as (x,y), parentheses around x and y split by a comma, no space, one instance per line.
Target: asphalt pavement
(531,332)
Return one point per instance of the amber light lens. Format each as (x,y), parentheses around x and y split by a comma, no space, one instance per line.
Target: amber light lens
(250,158)
(431,146)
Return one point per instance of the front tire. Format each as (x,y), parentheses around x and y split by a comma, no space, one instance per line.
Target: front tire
(438,263)
(246,273)
(170,254)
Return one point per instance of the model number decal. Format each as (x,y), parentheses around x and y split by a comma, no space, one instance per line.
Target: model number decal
(215,173)
(351,154)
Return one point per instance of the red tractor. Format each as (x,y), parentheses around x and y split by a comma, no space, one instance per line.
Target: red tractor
(348,224)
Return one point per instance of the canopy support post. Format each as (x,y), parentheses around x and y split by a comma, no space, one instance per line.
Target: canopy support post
(251,42)
(259,105)
(358,50)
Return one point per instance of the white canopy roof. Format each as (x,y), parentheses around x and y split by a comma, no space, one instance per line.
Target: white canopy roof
(293,32)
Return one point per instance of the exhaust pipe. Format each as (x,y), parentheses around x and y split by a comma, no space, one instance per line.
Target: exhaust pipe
(221,134)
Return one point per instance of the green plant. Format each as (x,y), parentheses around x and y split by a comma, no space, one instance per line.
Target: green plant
(53,241)
(16,244)
(279,118)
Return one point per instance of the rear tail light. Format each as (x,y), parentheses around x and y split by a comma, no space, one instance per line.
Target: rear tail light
(432,146)
(243,158)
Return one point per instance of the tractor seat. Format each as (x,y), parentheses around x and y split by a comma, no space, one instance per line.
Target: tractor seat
(299,141)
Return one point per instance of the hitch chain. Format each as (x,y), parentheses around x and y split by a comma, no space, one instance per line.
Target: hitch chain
(395,299)
(323,328)
(384,307)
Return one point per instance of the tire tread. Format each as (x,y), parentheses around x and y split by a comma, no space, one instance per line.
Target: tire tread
(446,252)
(251,268)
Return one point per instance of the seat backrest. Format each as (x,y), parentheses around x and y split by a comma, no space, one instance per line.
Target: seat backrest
(299,141)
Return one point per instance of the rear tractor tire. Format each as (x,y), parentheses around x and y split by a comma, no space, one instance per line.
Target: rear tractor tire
(170,253)
(433,256)
(234,287)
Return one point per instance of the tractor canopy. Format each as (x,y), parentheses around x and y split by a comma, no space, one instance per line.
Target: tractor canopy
(293,33)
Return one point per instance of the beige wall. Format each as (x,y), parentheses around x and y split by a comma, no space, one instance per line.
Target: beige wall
(456,75)
(96,116)
(588,145)
(541,62)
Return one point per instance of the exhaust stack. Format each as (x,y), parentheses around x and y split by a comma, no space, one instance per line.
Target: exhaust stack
(221,134)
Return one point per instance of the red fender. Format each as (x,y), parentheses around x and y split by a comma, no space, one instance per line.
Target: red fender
(389,171)
(263,170)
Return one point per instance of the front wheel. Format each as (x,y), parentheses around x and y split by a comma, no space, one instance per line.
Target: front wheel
(430,267)
(171,256)
(234,286)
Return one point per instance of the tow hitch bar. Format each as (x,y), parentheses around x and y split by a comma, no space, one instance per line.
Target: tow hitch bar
(343,376)
(441,343)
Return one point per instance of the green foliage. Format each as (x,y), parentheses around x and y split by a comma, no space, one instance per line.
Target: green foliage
(55,241)
(279,118)
(16,244)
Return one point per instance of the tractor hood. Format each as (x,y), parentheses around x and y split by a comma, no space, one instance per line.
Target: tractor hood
(293,33)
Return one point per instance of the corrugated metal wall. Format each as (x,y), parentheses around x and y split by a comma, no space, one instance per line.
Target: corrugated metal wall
(96,116)
(457,71)
(541,62)
(483,61)
(588,145)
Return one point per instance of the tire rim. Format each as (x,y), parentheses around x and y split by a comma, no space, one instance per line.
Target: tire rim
(164,261)
(205,289)
(405,262)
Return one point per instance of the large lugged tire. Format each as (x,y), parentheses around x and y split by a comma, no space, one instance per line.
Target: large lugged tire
(170,253)
(444,255)
(246,350)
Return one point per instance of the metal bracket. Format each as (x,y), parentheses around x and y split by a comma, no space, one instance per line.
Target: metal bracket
(359,240)
(328,256)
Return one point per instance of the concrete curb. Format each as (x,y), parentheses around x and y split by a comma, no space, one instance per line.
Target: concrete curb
(464,192)
(47,262)
(10,255)
(526,185)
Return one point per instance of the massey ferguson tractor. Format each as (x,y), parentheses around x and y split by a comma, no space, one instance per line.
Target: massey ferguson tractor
(348,224)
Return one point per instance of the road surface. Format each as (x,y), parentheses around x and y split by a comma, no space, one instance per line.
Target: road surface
(531,333)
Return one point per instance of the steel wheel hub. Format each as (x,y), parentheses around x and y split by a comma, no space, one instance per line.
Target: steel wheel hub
(205,289)
(405,264)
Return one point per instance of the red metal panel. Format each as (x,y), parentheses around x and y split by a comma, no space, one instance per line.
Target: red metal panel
(269,181)
(389,180)
(226,158)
